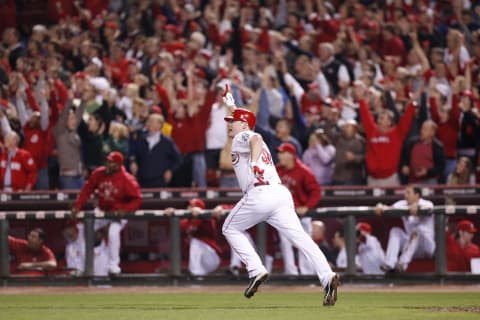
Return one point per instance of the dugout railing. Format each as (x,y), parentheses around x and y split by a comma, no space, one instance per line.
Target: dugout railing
(350,214)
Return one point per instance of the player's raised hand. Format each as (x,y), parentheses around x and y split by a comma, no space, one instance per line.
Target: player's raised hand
(228,98)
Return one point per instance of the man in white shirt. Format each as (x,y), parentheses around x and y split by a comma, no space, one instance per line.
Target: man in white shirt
(370,255)
(265,199)
(75,250)
(417,240)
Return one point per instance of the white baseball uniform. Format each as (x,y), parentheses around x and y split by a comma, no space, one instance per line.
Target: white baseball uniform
(370,255)
(267,200)
(75,255)
(422,246)
(203,259)
(288,255)
(114,241)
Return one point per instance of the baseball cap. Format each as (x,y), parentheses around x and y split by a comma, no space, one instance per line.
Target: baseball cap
(364,226)
(287,147)
(116,157)
(196,202)
(466,225)
(244,115)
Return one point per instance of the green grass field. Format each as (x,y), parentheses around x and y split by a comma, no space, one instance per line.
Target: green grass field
(233,306)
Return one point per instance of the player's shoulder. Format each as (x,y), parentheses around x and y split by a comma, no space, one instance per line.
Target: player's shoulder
(400,204)
(98,172)
(423,203)
(244,137)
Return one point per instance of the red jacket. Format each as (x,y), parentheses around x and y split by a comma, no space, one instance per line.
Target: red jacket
(458,258)
(189,132)
(119,71)
(119,191)
(23,253)
(202,229)
(302,183)
(36,143)
(23,170)
(447,132)
(383,149)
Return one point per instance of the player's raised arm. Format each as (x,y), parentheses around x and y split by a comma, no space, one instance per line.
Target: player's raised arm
(228,99)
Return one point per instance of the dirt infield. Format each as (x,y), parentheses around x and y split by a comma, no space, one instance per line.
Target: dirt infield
(229,288)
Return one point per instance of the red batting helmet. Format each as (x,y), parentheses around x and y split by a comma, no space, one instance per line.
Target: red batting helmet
(242,115)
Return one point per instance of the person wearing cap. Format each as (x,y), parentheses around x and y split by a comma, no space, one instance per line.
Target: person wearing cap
(319,156)
(204,251)
(423,157)
(18,171)
(370,254)
(118,194)
(349,156)
(305,190)
(265,199)
(460,247)
(417,238)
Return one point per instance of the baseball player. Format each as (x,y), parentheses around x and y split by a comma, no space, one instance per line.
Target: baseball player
(265,199)
(75,250)
(303,185)
(118,193)
(370,254)
(204,251)
(418,238)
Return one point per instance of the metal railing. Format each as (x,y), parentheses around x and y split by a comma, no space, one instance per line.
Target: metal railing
(350,215)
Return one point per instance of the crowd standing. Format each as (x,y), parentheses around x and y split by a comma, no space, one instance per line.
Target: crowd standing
(363,92)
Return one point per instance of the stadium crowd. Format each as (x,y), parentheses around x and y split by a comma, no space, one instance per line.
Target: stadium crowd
(362,92)
(366,91)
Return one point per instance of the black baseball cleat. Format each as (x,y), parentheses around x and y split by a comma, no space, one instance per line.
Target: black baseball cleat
(331,291)
(255,282)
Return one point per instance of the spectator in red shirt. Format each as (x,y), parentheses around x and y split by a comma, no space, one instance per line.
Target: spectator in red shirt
(448,122)
(423,157)
(460,248)
(303,185)
(204,251)
(116,67)
(392,45)
(32,254)
(118,194)
(35,128)
(18,171)
(384,143)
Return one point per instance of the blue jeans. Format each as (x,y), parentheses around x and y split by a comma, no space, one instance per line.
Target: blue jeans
(71,183)
(199,169)
(42,180)
(450,165)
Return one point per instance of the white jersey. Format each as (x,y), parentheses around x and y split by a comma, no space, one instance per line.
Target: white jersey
(424,224)
(241,161)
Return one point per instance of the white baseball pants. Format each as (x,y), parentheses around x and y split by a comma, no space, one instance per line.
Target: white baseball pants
(203,259)
(114,242)
(288,255)
(401,243)
(273,204)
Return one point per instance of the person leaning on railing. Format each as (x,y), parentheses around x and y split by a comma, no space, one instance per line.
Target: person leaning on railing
(32,254)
